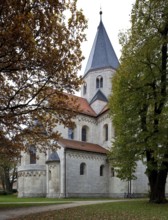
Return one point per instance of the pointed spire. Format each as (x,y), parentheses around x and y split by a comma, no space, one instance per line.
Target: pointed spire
(102,54)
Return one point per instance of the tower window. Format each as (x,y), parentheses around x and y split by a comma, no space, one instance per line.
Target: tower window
(99,82)
(82,168)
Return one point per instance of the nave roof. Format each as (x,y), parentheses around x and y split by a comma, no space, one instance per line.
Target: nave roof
(82,146)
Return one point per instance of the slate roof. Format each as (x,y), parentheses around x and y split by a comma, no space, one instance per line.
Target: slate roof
(82,146)
(53,157)
(99,96)
(102,54)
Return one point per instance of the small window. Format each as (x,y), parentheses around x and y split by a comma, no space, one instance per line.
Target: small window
(70,133)
(106,132)
(99,82)
(102,170)
(84,133)
(84,88)
(82,168)
(112,172)
(32,152)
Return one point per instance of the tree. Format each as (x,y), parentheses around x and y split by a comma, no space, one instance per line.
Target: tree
(8,173)
(40,56)
(139,100)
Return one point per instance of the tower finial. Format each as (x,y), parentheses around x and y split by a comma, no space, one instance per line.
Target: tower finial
(100,13)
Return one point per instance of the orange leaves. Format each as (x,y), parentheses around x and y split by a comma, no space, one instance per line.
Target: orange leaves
(39,51)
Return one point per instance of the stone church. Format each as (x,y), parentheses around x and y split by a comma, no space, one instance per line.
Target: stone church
(80,168)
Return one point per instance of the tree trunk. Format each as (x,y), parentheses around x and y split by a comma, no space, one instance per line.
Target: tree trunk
(157,182)
(8,183)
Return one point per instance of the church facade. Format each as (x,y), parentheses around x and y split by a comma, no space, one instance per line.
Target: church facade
(80,168)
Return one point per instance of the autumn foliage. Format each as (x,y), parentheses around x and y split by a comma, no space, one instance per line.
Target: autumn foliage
(40,56)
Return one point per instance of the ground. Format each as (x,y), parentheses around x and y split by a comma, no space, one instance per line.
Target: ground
(11,214)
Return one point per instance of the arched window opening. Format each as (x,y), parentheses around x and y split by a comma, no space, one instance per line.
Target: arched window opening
(106,132)
(84,88)
(70,133)
(84,133)
(82,169)
(102,170)
(99,82)
(32,152)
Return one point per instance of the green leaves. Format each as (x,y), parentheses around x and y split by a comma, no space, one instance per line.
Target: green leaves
(139,105)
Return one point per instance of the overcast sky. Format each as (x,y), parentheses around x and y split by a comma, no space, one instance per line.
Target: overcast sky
(115,17)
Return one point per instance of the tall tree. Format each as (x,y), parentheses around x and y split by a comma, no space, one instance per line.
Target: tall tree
(139,100)
(8,172)
(40,56)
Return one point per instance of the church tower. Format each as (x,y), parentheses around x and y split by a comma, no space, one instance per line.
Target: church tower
(100,68)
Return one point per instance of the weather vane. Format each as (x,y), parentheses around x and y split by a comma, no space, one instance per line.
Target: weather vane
(100,13)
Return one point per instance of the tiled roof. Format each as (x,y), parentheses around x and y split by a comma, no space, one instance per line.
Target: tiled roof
(82,146)
(102,54)
(83,105)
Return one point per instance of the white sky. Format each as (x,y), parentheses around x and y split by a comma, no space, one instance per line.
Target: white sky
(115,17)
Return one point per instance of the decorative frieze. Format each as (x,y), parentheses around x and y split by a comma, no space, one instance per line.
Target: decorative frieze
(86,156)
(31,173)
(103,117)
(52,166)
(87,119)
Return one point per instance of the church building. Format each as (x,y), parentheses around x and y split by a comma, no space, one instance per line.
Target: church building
(80,168)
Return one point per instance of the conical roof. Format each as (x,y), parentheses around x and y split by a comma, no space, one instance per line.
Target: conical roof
(102,54)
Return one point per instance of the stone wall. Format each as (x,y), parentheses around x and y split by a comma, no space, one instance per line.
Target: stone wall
(32,181)
(91,183)
(90,80)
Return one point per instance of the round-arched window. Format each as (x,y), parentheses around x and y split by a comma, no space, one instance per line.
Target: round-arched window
(85,130)
(99,82)
(82,168)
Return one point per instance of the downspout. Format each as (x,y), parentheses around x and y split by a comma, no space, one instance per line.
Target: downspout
(65,172)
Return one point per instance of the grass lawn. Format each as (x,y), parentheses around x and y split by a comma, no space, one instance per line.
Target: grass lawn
(128,210)
(131,210)
(15,199)
(11,201)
